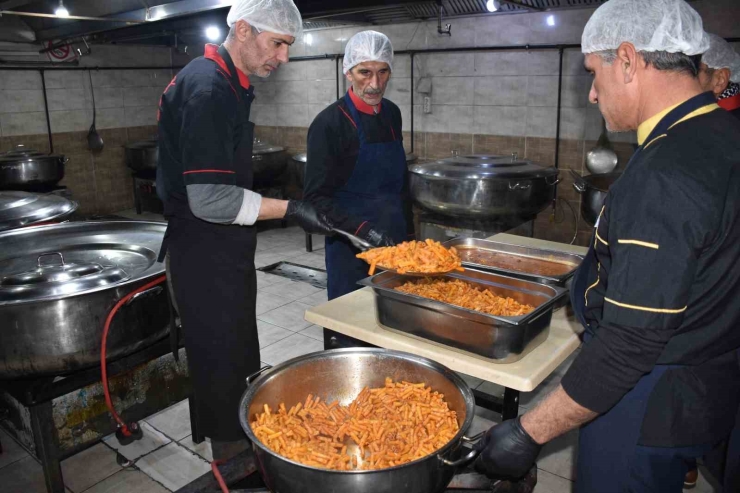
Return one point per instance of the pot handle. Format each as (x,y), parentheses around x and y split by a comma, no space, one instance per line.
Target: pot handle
(578,182)
(469,457)
(251,378)
(145,294)
(65,160)
(552,183)
(519,186)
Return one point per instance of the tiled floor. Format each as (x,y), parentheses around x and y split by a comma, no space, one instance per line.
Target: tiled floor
(166,458)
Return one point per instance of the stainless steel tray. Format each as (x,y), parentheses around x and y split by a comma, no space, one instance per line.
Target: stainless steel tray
(570,259)
(500,339)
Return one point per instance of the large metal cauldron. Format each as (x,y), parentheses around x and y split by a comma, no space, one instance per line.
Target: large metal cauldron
(58,284)
(340,375)
(142,156)
(269,164)
(26,169)
(483,187)
(593,190)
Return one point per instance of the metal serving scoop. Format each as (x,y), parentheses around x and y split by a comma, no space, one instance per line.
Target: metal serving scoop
(602,158)
(364,246)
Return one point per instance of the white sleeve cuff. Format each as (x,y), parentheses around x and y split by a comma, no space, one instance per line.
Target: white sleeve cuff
(250,208)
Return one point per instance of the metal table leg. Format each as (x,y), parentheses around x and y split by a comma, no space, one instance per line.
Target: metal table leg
(508,406)
(47,448)
(309,243)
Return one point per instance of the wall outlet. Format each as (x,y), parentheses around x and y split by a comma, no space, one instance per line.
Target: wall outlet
(427,104)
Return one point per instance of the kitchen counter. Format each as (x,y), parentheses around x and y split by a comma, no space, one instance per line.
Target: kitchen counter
(354,315)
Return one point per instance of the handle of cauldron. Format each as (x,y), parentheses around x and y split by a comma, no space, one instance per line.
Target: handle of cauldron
(470,457)
(256,374)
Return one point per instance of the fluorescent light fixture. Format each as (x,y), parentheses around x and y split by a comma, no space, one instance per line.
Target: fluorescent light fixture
(550,20)
(213,33)
(308,38)
(61,11)
(493,5)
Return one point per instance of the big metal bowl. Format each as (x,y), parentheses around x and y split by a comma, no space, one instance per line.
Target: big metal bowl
(340,375)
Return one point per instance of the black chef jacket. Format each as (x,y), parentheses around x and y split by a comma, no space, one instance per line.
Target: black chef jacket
(664,284)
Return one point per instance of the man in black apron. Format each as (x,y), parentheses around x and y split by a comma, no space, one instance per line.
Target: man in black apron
(204,177)
(356,166)
(657,381)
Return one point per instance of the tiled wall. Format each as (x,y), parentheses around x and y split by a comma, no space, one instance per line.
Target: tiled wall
(126,109)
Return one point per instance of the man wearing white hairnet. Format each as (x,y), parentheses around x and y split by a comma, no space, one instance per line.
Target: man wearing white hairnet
(356,168)
(720,73)
(657,381)
(204,177)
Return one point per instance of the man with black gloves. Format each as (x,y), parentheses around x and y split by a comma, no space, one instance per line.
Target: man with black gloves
(356,169)
(657,381)
(204,177)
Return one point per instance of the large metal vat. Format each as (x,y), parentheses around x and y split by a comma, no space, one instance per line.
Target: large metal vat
(483,187)
(26,169)
(57,285)
(268,164)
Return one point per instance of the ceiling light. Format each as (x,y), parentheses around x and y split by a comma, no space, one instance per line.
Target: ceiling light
(213,33)
(550,20)
(493,5)
(61,11)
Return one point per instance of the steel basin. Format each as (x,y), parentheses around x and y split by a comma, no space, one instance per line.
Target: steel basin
(341,374)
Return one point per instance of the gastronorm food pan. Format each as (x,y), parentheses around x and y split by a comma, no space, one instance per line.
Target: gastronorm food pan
(500,339)
(534,264)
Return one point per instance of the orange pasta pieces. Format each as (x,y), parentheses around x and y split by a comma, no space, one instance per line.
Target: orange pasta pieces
(383,427)
(464,294)
(413,256)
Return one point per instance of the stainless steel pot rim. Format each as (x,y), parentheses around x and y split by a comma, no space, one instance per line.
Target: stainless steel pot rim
(301,157)
(143,144)
(380,352)
(483,170)
(259,147)
(99,257)
(19,208)
(23,154)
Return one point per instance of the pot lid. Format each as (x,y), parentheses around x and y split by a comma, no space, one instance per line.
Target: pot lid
(19,209)
(301,157)
(483,167)
(75,258)
(58,278)
(259,147)
(22,153)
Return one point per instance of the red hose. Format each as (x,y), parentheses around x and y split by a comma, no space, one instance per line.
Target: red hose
(103,367)
(219,478)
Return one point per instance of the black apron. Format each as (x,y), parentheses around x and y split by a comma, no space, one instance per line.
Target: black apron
(372,193)
(215,283)
(611,455)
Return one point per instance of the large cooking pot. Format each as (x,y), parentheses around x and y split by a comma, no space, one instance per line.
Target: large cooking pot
(593,189)
(298,165)
(26,169)
(19,209)
(268,164)
(143,155)
(483,186)
(59,282)
(341,374)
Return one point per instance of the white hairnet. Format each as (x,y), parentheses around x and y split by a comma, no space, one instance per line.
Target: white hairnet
(650,25)
(367,46)
(276,16)
(721,55)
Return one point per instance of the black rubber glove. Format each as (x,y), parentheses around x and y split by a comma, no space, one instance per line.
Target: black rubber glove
(375,237)
(308,218)
(507,451)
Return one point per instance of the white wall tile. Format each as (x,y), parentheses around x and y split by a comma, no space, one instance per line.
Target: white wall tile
(323,42)
(70,120)
(292,115)
(500,91)
(541,122)
(406,118)
(321,69)
(399,90)
(264,114)
(264,92)
(108,97)
(399,34)
(572,123)
(457,119)
(452,90)
(107,78)
(290,92)
(402,66)
(134,78)
(110,118)
(290,71)
(313,111)
(66,99)
(59,79)
(446,64)
(17,79)
(499,29)
(141,96)
(23,124)
(573,62)
(542,90)
(500,63)
(141,116)
(321,92)
(21,101)
(568,25)
(463,34)
(500,120)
